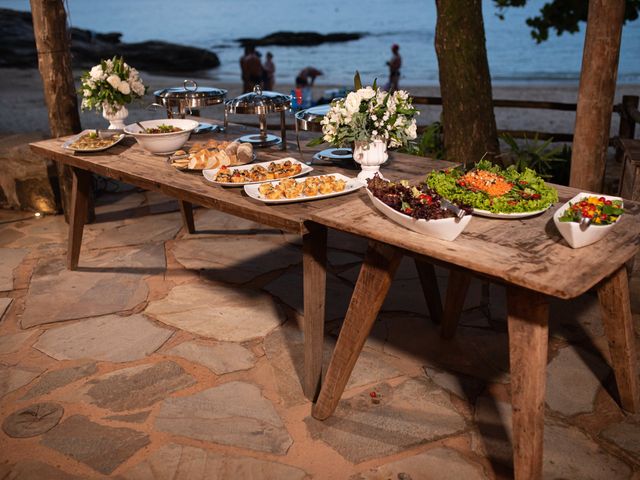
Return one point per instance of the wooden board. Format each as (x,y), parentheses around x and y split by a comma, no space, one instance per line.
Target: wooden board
(129,163)
(529,253)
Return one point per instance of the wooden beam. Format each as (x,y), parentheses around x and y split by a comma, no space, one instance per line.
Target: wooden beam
(596,92)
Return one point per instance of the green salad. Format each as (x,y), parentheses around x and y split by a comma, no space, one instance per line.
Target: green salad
(494,189)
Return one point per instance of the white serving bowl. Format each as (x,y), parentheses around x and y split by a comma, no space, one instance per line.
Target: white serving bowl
(577,236)
(444,228)
(162,143)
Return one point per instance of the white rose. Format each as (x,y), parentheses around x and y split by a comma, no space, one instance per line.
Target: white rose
(96,73)
(352,103)
(138,88)
(367,93)
(124,88)
(412,131)
(114,81)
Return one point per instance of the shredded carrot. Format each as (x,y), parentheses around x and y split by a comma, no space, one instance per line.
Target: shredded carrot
(493,184)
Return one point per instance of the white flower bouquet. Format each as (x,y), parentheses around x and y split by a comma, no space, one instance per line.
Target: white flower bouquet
(370,114)
(110,85)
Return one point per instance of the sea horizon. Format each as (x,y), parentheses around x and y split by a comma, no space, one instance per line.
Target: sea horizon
(514,57)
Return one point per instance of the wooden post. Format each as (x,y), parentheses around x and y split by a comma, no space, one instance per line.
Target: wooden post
(596,92)
(54,62)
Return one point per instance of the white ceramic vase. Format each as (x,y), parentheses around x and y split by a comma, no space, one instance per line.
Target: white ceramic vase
(370,155)
(115,117)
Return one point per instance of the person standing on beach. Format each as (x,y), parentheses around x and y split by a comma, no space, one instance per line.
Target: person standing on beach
(307,77)
(269,72)
(394,68)
(251,69)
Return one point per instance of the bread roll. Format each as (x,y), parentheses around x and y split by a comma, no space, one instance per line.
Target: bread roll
(232,149)
(245,153)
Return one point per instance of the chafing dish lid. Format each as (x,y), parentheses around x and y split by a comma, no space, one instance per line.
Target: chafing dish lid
(258,102)
(313,114)
(191,94)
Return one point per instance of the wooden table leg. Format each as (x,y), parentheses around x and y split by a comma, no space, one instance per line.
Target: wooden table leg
(457,288)
(528,343)
(186,209)
(80,195)
(429,282)
(618,326)
(380,264)
(314,248)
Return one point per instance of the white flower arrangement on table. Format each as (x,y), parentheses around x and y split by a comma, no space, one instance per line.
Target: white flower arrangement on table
(110,85)
(370,114)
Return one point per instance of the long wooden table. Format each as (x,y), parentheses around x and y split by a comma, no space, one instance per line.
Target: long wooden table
(129,163)
(528,256)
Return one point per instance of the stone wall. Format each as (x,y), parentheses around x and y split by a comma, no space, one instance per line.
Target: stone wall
(26,179)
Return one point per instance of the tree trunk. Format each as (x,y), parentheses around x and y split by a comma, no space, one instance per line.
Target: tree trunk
(54,62)
(596,92)
(465,83)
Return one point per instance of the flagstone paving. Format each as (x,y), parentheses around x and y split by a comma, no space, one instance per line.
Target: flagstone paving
(222,313)
(136,387)
(12,378)
(10,258)
(180,356)
(13,342)
(109,338)
(221,358)
(175,461)
(55,379)
(107,282)
(100,447)
(411,414)
(234,413)
(228,260)
(573,379)
(136,231)
(440,463)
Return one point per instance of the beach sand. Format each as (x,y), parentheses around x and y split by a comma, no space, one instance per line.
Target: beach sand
(23,108)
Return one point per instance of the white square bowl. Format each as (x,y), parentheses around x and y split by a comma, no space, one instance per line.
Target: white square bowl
(444,228)
(576,236)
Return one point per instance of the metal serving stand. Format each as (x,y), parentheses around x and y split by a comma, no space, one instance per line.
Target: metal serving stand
(188,99)
(261,104)
(309,121)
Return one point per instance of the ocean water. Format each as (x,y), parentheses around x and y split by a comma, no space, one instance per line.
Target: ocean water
(514,57)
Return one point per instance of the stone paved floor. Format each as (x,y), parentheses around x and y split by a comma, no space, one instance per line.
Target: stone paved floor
(177,356)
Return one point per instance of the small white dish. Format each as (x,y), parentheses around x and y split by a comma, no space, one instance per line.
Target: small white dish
(578,236)
(352,185)
(210,174)
(444,228)
(162,143)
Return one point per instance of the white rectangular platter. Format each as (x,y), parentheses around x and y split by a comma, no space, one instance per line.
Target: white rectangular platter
(352,184)
(210,175)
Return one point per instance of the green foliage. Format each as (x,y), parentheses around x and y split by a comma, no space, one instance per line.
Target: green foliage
(551,163)
(429,144)
(561,15)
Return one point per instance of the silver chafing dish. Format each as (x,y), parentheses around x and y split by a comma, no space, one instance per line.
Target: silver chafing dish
(309,121)
(261,104)
(178,101)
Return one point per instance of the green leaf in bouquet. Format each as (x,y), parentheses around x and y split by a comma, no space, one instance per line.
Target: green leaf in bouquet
(357,83)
